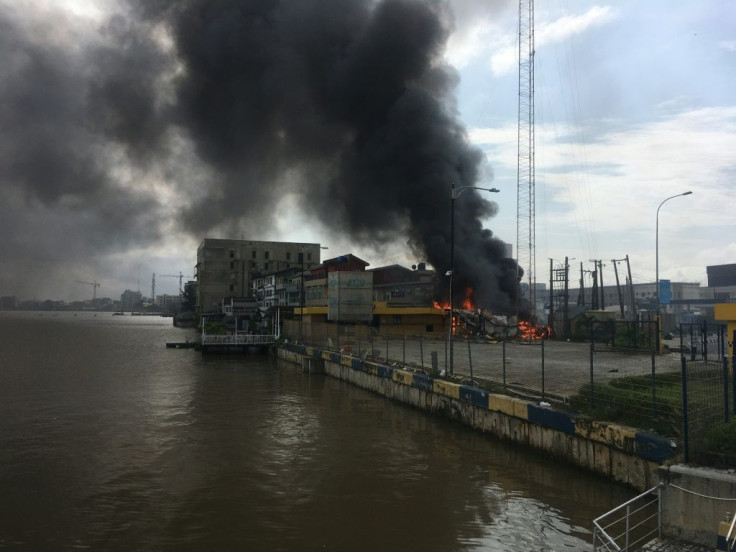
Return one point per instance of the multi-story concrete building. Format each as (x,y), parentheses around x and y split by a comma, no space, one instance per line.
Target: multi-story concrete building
(131,300)
(168,303)
(226,268)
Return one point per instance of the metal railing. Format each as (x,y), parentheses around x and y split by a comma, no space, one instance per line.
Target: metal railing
(237,339)
(631,525)
(731,536)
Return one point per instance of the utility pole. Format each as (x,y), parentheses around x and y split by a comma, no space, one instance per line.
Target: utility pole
(565,307)
(634,315)
(551,318)
(594,290)
(581,295)
(618,287)
(598,273)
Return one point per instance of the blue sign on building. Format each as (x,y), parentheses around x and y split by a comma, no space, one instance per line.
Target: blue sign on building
(665,292)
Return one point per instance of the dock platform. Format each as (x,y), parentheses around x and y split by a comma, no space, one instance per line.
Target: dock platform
(235,343)
(184,345)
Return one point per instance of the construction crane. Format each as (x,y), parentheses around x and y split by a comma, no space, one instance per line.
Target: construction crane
(180,276)
(525,202)
(95,284)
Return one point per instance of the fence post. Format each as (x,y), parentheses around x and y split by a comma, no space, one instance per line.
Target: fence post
(592,392)
(725,388)
(685,436)
(421,350)
(654,384)
(543,369)
(613,334)
(470,364)
(704,339)
(503,352)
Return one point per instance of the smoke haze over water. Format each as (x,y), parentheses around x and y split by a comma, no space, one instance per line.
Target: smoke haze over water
(200,116)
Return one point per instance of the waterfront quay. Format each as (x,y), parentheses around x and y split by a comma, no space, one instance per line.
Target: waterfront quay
(626,455)
(623,454)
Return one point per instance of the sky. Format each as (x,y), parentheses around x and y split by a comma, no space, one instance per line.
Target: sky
(117,155)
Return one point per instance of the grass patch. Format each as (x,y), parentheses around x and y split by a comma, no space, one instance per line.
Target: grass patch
(719,446)
(630,401)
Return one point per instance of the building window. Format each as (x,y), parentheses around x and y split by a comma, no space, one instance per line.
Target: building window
(232,287)
(288,255)
(397,320)
(430,327)
(232,254)
(253,254)
(232,264)
(309,256)
(265,253)
(265,265)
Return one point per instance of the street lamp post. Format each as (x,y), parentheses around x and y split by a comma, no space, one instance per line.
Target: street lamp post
(455,193)
(656,247)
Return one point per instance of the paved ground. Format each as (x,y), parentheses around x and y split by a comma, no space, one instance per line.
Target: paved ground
(566,366)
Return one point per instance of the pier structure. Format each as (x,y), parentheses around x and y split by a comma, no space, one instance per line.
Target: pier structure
(236,341)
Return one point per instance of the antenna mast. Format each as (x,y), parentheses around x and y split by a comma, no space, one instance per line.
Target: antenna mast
(525,211)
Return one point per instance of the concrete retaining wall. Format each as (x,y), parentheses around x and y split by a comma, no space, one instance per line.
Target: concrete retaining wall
(623,454)
(695,501)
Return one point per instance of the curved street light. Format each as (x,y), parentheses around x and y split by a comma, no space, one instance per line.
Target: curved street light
(455,193)
(656,247)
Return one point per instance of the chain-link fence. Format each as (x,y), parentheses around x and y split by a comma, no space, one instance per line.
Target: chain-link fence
(706,400)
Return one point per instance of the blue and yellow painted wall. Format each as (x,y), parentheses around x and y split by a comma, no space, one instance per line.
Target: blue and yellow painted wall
(624,454)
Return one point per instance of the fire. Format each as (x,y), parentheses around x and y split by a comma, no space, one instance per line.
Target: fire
(468,302)
(527,330)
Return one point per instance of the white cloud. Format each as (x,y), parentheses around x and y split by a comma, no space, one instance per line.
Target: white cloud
(600,195)
(549,32)
(729,45)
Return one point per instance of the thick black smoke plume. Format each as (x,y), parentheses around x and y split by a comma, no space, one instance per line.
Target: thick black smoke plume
(352,94)
(346,103)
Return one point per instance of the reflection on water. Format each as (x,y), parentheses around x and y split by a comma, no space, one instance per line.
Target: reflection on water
(111,441)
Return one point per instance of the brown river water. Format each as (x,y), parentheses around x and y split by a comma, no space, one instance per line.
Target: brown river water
(110,441)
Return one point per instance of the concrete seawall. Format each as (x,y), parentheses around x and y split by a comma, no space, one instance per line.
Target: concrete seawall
(621,453)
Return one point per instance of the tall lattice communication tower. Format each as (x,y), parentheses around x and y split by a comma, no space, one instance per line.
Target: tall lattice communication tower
(525,163)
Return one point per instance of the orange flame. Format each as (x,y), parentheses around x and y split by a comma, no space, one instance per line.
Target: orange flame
(527,330)
(467,302)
